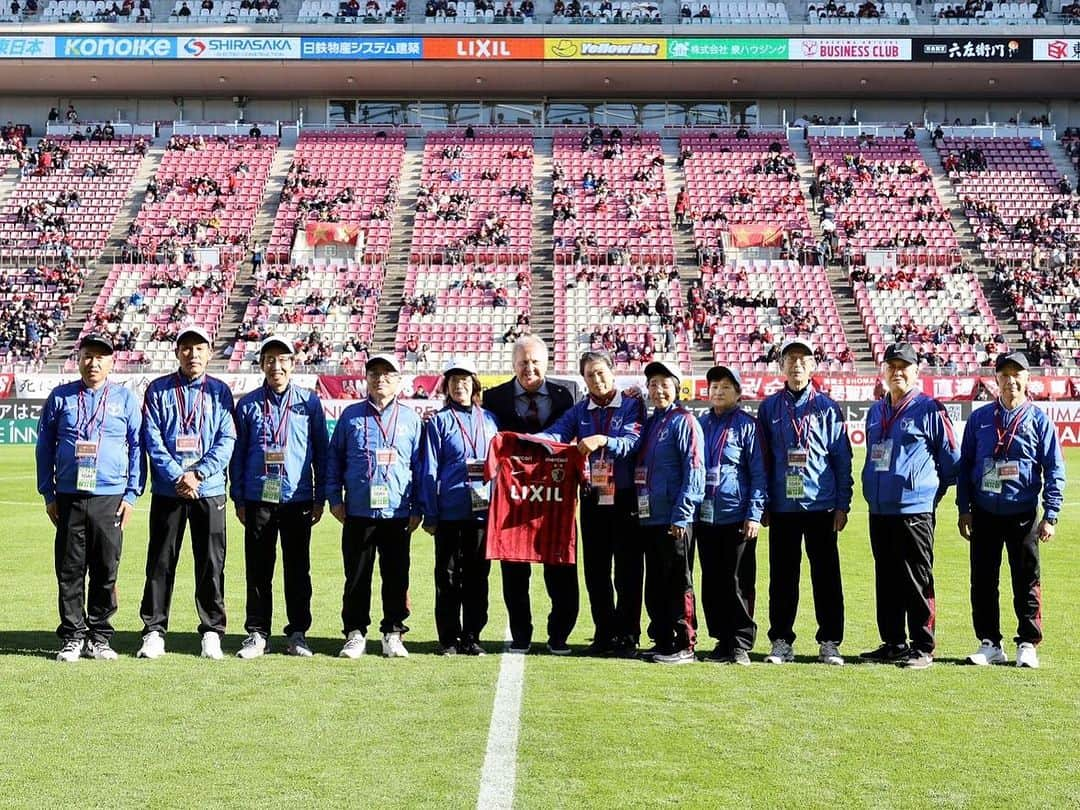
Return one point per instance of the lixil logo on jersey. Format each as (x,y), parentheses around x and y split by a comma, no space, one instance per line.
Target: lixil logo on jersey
(535,493)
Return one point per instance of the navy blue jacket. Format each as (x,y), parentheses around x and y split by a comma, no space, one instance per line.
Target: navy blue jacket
(444,480)
(1034,447)
(735,475)
(621,421)
(671,453)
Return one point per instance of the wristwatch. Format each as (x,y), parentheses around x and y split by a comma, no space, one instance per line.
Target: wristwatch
(199,474)
(1051,521)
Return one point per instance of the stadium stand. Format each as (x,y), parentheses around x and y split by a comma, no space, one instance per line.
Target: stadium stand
(739,12)
(472,309)
(212,12)
(327,309)
(633,312)
(348,175)
(34,304)
(609,199)
(68,197)
(750,307)
(206,194)
(98,11)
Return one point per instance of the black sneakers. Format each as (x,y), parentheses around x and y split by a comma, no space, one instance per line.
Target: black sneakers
(887,654)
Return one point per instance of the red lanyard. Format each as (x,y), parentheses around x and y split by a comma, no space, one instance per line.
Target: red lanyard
(799,425)
(276,437)
(596,422)
(717,447)
(389,438)
(1001,448)
(479,433)
(647,446)
(187,418)
(84,424)
(887,419)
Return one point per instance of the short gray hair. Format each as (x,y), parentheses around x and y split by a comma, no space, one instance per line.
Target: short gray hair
(525,341)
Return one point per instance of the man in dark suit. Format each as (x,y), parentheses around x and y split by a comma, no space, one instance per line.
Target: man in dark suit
(529,404)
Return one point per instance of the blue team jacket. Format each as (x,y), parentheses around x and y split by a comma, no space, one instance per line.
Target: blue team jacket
(352,462)
(1034,446)
(623,430)
(208,404)
(827,481)
(305,445)
(738,467)
(110,416)
(444,480)
(671,453)
(922,463)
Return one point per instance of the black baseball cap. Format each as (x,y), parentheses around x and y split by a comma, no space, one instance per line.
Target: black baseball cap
(99,340)
(718,373)
(902,351)
(1016,358)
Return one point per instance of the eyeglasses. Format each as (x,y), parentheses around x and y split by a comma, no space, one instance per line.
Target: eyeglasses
(375,375)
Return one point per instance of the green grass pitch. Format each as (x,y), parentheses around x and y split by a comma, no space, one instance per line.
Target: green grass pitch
(284,732)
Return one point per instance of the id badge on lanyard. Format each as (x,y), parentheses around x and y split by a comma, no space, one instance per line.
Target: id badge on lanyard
(271,488)
(881,455)
(794,487)
(275,455)
(707,511)
(474,469)
(385,456)
(189,446)
(479,497)
(379,497)
(643,505)
(991,479)
(797,457)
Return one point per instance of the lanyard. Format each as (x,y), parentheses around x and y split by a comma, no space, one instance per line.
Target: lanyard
(85,423)
(716,448)
(800,425)
(276,437)
(602,425)
(1001,447)
(187,418)
(389,437)
(888,416)
(653,431)
(478,438)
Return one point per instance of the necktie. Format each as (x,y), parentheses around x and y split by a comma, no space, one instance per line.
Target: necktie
(532,412)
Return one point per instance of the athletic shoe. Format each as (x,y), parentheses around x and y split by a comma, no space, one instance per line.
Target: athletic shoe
(829,653)
(254,646)
(741,657)
(520,647)
(392,646)
(99,650)
(446,649)
(918,659)
(153,645)
(71,651)
(684,656)
(600,648)
(471,648)
(653,651)
(298,645)
(211,646)
(887,654)
(558,648)
(988,653)
(355,645)
(1026,655)
(781,653)
(720,655)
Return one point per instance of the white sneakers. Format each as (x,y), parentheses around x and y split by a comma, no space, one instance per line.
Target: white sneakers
(392,646)
(298,645)
(1026,655)
(781,653)
(354,645)
(254,645)
(99,650)
(829,653)
(211,646)
(153,645)
(988,653)
(71,651)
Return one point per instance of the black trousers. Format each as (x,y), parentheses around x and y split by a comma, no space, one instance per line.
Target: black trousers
(903,547)
(1018,536)
(609,536)
(562,587)
(669,588)
(88,542)
(361,538)
(169,518)
(728,589)
(264,524)
(787,530)
(461,581)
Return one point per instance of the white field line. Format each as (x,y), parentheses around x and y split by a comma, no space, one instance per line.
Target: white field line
(499,775)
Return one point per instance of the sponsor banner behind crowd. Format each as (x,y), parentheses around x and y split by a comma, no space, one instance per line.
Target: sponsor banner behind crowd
(361,47)
(743,49)
(27,48)
(483,49)
(845,49)
(605,48)
(238,47)
(38,386)
(1056,50)
(972,49)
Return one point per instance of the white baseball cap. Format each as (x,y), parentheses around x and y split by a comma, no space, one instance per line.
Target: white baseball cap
(787,344)
(662,368)
(198,331)
(389,359)
(460,363)
(276,340)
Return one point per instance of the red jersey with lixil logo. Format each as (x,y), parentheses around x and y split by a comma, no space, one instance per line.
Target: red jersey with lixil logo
(534,500)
